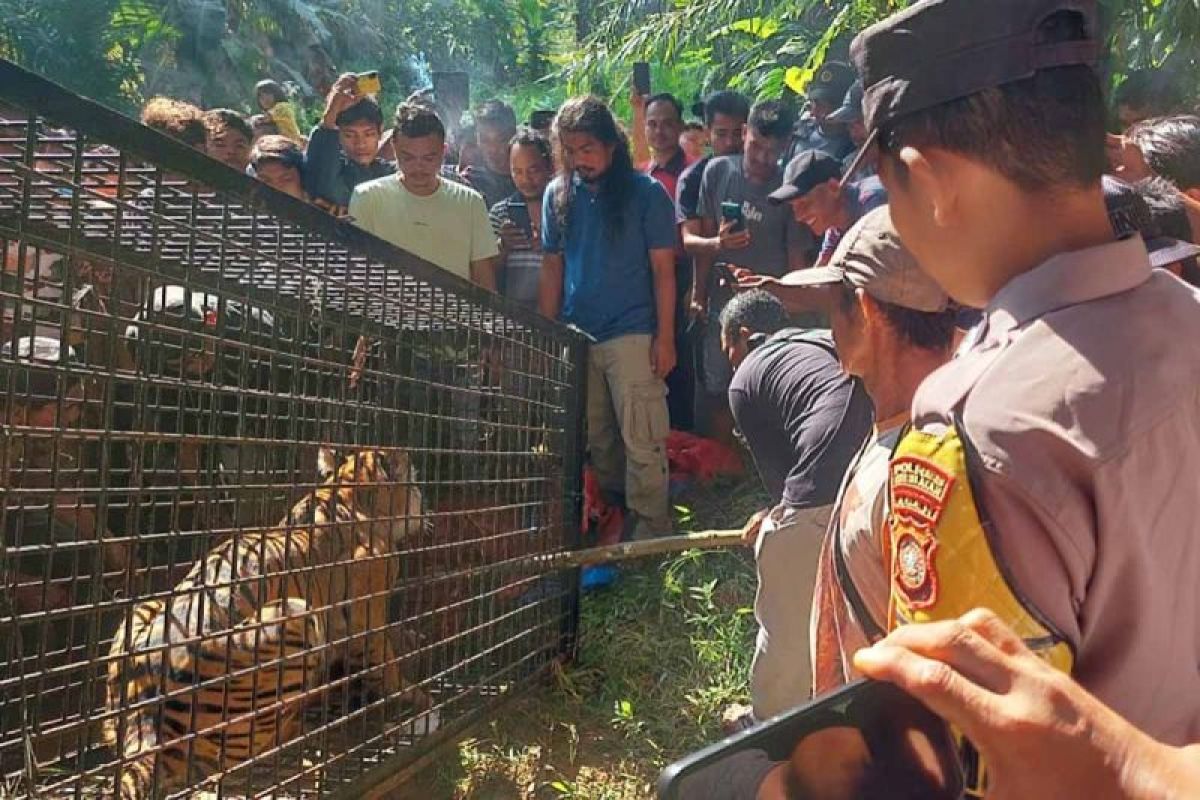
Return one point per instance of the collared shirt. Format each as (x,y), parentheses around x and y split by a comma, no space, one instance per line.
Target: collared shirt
(1082,397)
(608,282)
(856,529)
(668,174)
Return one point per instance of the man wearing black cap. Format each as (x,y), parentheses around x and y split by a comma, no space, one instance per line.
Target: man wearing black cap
(815,130)
(1130,215)
(851,115)
(1042,476)
(813,185)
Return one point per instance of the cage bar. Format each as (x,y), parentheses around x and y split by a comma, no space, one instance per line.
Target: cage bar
(274,492)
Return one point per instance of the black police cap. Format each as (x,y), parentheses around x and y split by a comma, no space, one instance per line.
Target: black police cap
(936,51)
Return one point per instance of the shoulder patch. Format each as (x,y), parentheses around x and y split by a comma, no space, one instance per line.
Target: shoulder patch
(919,492)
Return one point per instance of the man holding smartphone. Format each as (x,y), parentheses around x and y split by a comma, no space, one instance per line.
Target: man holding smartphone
(517,219)
(343,151)
(751,234)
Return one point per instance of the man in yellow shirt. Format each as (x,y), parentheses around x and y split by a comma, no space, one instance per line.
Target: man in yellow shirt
(438,220)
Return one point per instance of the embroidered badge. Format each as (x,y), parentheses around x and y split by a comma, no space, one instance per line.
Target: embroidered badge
(919,492)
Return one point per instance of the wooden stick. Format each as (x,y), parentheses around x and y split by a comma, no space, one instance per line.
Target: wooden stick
(625,551)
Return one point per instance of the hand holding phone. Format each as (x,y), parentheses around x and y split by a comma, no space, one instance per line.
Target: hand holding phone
(367,83)
(733,234)
(865,741)
(641,78)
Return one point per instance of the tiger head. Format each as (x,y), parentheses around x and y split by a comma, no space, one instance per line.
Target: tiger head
(383,485)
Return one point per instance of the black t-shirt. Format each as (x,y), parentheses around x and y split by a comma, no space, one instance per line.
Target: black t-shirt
(802,416)
(687,192)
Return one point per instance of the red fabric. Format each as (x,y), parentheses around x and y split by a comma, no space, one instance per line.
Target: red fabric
(699,458)
(605,520)
(689,456)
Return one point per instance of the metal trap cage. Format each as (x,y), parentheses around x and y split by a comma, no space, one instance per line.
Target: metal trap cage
(276,496)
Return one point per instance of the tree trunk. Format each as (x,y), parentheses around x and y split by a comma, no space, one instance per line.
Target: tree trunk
(583,20)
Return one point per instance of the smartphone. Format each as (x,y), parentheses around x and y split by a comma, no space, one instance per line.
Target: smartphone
(866,741)
(518,214)
(641,78)
(368,83)
(732,212)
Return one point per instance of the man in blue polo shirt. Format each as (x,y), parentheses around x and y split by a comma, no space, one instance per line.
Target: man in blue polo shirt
(608,237)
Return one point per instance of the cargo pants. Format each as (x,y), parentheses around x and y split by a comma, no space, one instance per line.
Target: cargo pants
(627,428)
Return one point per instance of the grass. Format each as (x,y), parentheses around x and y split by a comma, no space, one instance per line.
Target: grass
(662,652)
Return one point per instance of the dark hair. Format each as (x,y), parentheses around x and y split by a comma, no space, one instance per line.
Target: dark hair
(928,330)
(496,114)
(692,125)
(531,137)
(728,103)
(414,121)
(176,118)
(757,311)
(1167,210)
(272,88)
(219,119)
(1153,91)
(277,149)
(1042,131)
(1171,147)
(772,119)
(590,116)
(542,118)
(365,110)
(669,99)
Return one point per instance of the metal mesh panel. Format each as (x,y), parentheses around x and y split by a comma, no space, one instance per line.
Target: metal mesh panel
(274,494)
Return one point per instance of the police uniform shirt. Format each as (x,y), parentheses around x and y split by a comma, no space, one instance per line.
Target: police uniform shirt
(1081,400)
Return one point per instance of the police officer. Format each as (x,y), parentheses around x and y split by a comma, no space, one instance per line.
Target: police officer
(814,130)
(1051,469)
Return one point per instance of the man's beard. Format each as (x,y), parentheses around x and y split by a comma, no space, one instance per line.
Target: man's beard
(592,179)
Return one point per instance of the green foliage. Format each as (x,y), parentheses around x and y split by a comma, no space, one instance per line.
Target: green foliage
(533,53)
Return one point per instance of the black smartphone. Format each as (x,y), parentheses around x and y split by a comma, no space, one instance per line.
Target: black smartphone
(866,741)
(641,78)
(518,214)
(732,212)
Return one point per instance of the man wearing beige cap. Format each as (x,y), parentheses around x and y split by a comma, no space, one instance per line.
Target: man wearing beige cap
(893,326)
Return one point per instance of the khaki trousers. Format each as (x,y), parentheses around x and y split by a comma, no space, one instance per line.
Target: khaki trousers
(787,552)
(628,426)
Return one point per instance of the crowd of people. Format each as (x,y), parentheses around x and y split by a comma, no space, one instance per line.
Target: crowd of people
(948,311)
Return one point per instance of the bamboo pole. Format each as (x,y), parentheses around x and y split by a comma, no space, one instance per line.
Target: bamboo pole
(626,551)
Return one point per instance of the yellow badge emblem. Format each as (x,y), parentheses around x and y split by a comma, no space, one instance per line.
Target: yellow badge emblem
(919,492)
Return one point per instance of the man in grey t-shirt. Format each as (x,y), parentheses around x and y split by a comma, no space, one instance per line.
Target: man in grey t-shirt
(768,240)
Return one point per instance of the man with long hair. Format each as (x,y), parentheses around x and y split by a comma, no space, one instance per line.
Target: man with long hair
(608,236)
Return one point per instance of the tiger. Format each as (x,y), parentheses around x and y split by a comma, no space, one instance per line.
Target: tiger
(220,671)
